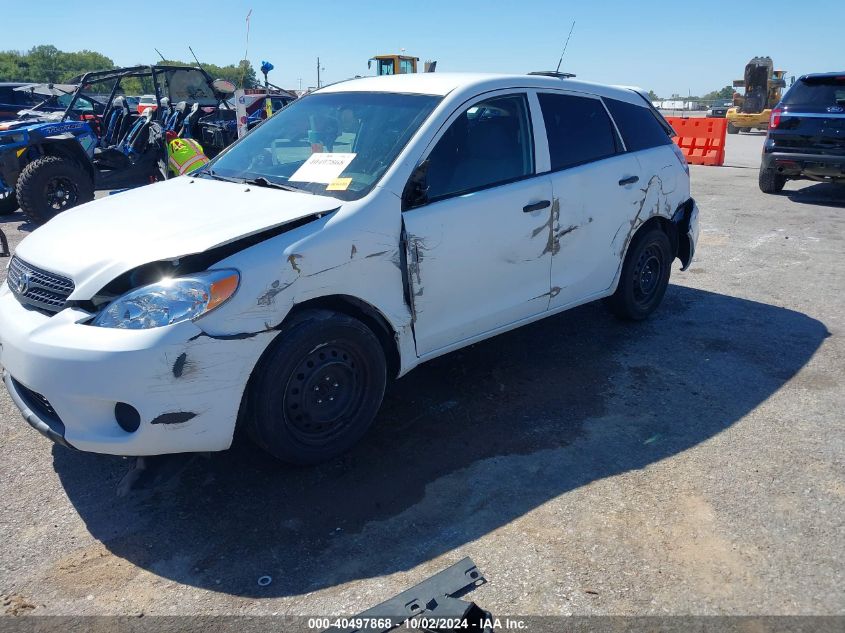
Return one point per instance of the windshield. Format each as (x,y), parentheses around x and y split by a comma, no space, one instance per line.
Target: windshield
(817,92)
(337,144)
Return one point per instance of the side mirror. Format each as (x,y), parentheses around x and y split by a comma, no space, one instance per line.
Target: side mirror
(416,190)
(223,86)
(369,64)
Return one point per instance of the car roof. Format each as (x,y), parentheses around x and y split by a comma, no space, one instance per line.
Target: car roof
(441,84)
(830,75)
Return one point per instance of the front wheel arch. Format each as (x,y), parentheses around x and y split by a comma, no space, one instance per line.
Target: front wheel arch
(351,306)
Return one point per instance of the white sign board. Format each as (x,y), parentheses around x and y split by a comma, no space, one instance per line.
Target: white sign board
(322,167)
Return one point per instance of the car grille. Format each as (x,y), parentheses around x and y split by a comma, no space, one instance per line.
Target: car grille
(37,287)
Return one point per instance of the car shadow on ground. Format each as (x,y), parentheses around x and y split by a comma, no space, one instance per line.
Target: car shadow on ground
(463,445)
(825,194)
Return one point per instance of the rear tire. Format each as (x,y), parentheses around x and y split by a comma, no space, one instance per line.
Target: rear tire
(732,129)
(770,181)
(52,184)
(644,277)
(8,203)
(316,390)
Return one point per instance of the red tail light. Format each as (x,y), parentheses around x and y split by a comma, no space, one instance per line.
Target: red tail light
(775,120)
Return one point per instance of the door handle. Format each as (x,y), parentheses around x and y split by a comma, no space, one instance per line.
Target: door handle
(629,181)
(543,204)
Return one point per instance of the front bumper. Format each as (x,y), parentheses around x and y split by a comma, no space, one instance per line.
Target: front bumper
(794,165)
(67,377)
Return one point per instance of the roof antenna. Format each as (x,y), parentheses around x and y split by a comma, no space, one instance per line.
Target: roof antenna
(557,70)
(159,54)
(196,60)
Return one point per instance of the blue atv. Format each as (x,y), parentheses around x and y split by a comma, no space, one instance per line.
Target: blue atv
(52,161)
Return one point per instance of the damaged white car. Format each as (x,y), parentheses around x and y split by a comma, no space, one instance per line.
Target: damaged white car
(362,230)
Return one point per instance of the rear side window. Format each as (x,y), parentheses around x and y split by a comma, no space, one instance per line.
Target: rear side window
(639,127)
(817,92)
(578,129)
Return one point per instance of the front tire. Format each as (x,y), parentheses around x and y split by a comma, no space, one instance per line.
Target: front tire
(644,278)
(732,129)
(317,389)
(52,184)
(8,203)
(770,181)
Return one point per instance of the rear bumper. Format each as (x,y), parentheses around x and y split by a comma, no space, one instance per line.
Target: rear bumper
(686,221)
(805,165)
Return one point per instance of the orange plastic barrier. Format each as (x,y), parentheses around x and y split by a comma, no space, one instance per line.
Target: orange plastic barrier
(701,140)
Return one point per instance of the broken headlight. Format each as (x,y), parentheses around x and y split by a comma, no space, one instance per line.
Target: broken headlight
(169,301)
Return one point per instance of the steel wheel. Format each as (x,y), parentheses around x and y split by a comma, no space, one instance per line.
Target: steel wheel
(317,387)
(648,273)
(322,393)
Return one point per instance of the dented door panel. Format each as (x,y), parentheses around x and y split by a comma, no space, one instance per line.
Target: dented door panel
(477,262)
(593,210)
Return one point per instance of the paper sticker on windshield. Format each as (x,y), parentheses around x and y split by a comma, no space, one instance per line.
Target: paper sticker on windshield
(322,168)
(339,184)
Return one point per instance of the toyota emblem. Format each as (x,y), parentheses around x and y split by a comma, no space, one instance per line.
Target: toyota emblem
(22,285)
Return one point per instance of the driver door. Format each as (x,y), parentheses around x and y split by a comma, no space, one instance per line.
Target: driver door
(477,246)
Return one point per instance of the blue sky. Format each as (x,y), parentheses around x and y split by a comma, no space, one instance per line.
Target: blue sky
(670,47)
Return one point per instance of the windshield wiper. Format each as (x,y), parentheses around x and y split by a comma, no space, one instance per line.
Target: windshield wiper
(211,174)
(261,181)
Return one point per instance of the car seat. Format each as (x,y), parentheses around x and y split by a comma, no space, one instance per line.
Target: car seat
(118,113)
(175,119)
(164,111)
(190,121)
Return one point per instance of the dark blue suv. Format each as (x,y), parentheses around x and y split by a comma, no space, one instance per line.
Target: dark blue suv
(806,138)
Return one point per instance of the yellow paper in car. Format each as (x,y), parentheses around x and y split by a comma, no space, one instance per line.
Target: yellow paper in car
(339,184)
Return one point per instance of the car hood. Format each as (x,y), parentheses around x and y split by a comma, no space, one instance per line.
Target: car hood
(94,243)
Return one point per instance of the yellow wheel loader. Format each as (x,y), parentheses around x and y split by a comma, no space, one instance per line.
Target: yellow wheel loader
(763,88)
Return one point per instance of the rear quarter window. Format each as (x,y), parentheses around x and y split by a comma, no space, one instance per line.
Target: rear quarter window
(639,127)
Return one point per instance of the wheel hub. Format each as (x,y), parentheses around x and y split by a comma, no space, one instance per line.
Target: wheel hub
(647,274)
(322,392)
(60,193)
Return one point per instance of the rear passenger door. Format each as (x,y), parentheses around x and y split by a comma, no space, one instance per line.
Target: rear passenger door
(596,190)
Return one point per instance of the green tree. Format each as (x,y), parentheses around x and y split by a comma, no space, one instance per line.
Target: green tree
(652,95)
(723,94)
(46,63)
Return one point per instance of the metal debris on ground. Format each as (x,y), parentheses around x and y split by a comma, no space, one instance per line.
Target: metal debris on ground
(433,600)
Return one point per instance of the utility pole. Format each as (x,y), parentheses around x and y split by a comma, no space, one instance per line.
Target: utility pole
(318,73)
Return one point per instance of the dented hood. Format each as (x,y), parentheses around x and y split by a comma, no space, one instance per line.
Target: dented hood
(94,243)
